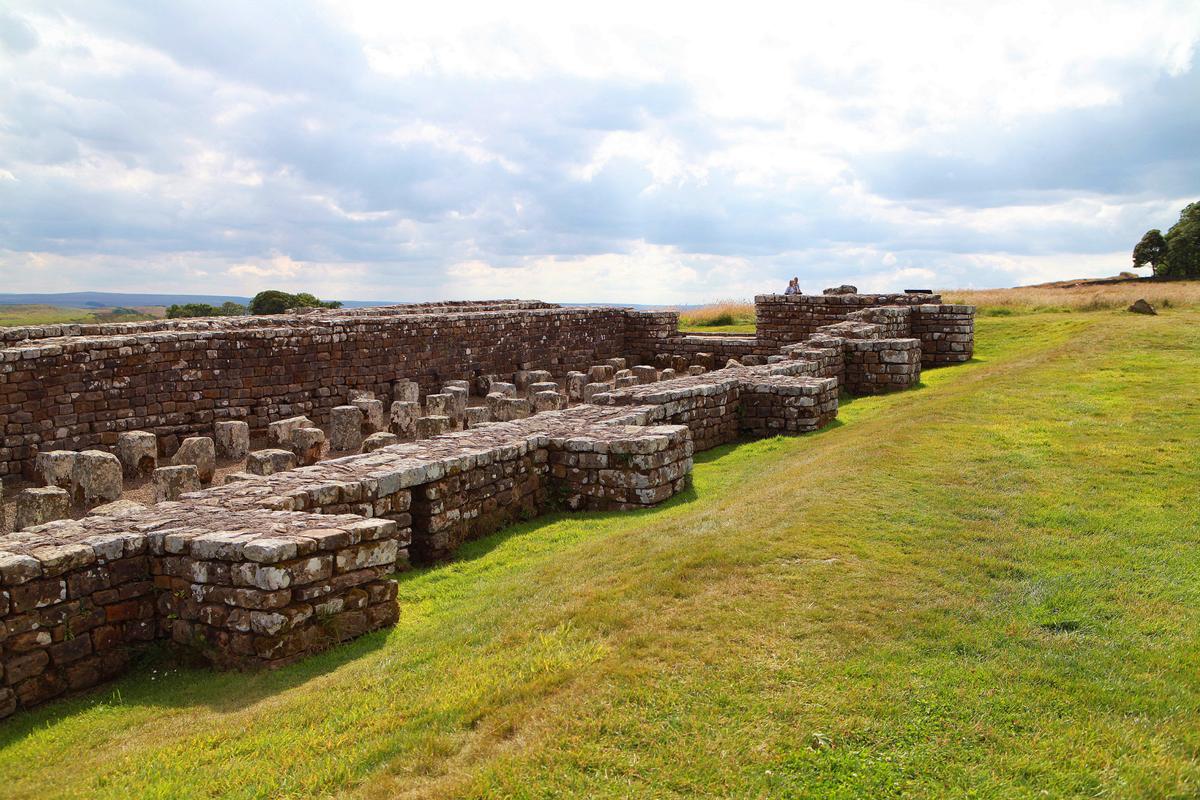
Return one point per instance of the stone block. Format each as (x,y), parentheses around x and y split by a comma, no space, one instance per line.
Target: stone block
(268,462)
(547,401)
(138,452)
(432,426)
(53,467)
(378,440)
(372,414)
(232,439)
(477,415)
(437,405)
(592,389)
(645,373)
(574,383)
(41,505)
(171,482)
(403,418)
(457,405)
(406,391)
(309,445)
(667,374)
(346,424)
(506,389)
(279,433)
(601,373)
(201,452)
(95,477)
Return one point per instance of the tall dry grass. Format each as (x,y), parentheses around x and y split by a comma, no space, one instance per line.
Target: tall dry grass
(1093,297)
(720,313)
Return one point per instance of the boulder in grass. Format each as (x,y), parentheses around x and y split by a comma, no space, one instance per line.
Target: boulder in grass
(1142,307)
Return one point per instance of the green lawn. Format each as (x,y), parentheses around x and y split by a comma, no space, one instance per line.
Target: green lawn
(987,587)
(747,327)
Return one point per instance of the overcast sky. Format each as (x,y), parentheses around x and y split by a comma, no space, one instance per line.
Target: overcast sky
(636,152)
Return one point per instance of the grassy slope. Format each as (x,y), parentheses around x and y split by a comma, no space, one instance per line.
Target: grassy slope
(986,587)
(21,315)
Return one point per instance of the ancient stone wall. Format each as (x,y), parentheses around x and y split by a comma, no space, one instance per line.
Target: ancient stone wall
(786,319)
(947,333)
(76,393)
(267,568)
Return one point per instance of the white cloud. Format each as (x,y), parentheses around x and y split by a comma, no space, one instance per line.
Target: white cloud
(657,152)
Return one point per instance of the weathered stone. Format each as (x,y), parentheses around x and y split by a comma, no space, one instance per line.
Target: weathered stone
(346,423)
(378,440)
(645,373)
(172,482)
(601,373)
(592,389)
(138,452)
(573,385)
(667,374)
(845,288)
(232,439)
(437,405)
(309,445)
(456,406)
(432,426)
(279,433)
(403,418)
(200,452)
(547,401)
(503,388)
(41,505)
(372,413)
(95,477)
(54,467)
(1142,307)
(406,391)
(477,415)
(269,462)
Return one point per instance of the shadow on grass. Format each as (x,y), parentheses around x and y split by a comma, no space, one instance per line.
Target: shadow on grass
(166,676)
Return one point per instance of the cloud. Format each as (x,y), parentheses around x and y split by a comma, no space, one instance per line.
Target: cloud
(369,151)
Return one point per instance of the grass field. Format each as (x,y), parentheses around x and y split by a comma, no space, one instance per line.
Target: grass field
(19,315)
(986,587)
(1095,297)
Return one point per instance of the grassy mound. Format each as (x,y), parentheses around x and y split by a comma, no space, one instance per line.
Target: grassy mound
(983,587)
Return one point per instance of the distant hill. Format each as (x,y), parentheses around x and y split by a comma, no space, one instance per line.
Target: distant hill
(109,299)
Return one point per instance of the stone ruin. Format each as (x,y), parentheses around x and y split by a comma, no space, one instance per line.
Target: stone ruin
(392,435)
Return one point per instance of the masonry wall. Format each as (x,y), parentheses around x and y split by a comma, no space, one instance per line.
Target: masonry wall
(786,319)
(77,393)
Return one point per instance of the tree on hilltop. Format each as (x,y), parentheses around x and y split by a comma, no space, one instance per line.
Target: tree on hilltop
(1151,250)
(1176,255)
(273,301)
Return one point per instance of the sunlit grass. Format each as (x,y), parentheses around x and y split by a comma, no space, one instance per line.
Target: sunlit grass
(983,587)
(1087,297)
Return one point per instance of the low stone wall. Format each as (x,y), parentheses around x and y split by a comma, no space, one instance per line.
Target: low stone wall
(947,333)
(875,366)
(266,569)
(787,319)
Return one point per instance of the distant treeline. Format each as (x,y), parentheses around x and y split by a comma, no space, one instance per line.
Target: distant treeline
(271,301)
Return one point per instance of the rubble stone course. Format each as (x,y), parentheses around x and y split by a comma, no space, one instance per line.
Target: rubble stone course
(288,558)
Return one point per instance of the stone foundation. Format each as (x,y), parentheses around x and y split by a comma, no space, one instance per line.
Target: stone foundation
(275,565)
